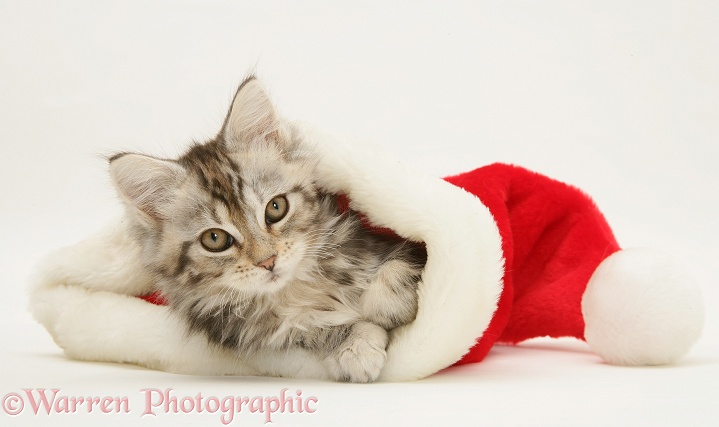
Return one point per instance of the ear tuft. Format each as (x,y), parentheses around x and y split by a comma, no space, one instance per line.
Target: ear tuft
(146,183)
(251,115)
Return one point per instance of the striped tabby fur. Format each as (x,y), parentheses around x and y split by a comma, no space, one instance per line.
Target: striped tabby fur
(315,279)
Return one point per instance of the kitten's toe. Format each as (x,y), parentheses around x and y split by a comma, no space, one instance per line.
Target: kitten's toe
(361,356)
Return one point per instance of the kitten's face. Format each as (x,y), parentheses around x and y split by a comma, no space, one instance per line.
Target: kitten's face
(239,214)
(247,219)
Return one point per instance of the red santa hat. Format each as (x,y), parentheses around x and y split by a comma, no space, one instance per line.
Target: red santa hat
(512,255)
(566,276)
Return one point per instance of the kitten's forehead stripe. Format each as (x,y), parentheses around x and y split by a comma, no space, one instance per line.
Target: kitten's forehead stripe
(237,184)
(217,173)
(219,192)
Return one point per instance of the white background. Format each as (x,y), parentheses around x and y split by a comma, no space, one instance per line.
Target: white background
(619,98)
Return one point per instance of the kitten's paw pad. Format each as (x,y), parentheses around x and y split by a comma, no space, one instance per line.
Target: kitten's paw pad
(362,356)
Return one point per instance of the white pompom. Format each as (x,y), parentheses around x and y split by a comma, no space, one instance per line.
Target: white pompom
(641,308)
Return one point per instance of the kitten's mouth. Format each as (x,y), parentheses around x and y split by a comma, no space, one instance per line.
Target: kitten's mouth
(274,283)
(276,277)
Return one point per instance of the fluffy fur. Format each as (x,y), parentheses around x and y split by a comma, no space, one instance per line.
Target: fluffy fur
(642,308)
(290,269)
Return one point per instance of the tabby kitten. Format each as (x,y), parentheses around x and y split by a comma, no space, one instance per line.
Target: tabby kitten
(250,253)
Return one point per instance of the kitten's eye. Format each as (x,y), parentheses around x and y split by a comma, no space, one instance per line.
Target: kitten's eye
(276,209)
(216,240)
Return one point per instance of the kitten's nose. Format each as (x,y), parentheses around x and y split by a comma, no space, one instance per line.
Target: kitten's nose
(268,264)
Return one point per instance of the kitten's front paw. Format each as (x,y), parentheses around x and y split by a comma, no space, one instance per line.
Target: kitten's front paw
(390,300)
(361,356)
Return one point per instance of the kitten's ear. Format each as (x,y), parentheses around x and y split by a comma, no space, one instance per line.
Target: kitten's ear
(251,115)
(147,183)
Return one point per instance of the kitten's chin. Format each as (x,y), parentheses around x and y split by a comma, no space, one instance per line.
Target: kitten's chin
(274,282)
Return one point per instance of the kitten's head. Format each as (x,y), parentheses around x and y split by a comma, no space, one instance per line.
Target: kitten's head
(238,213)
